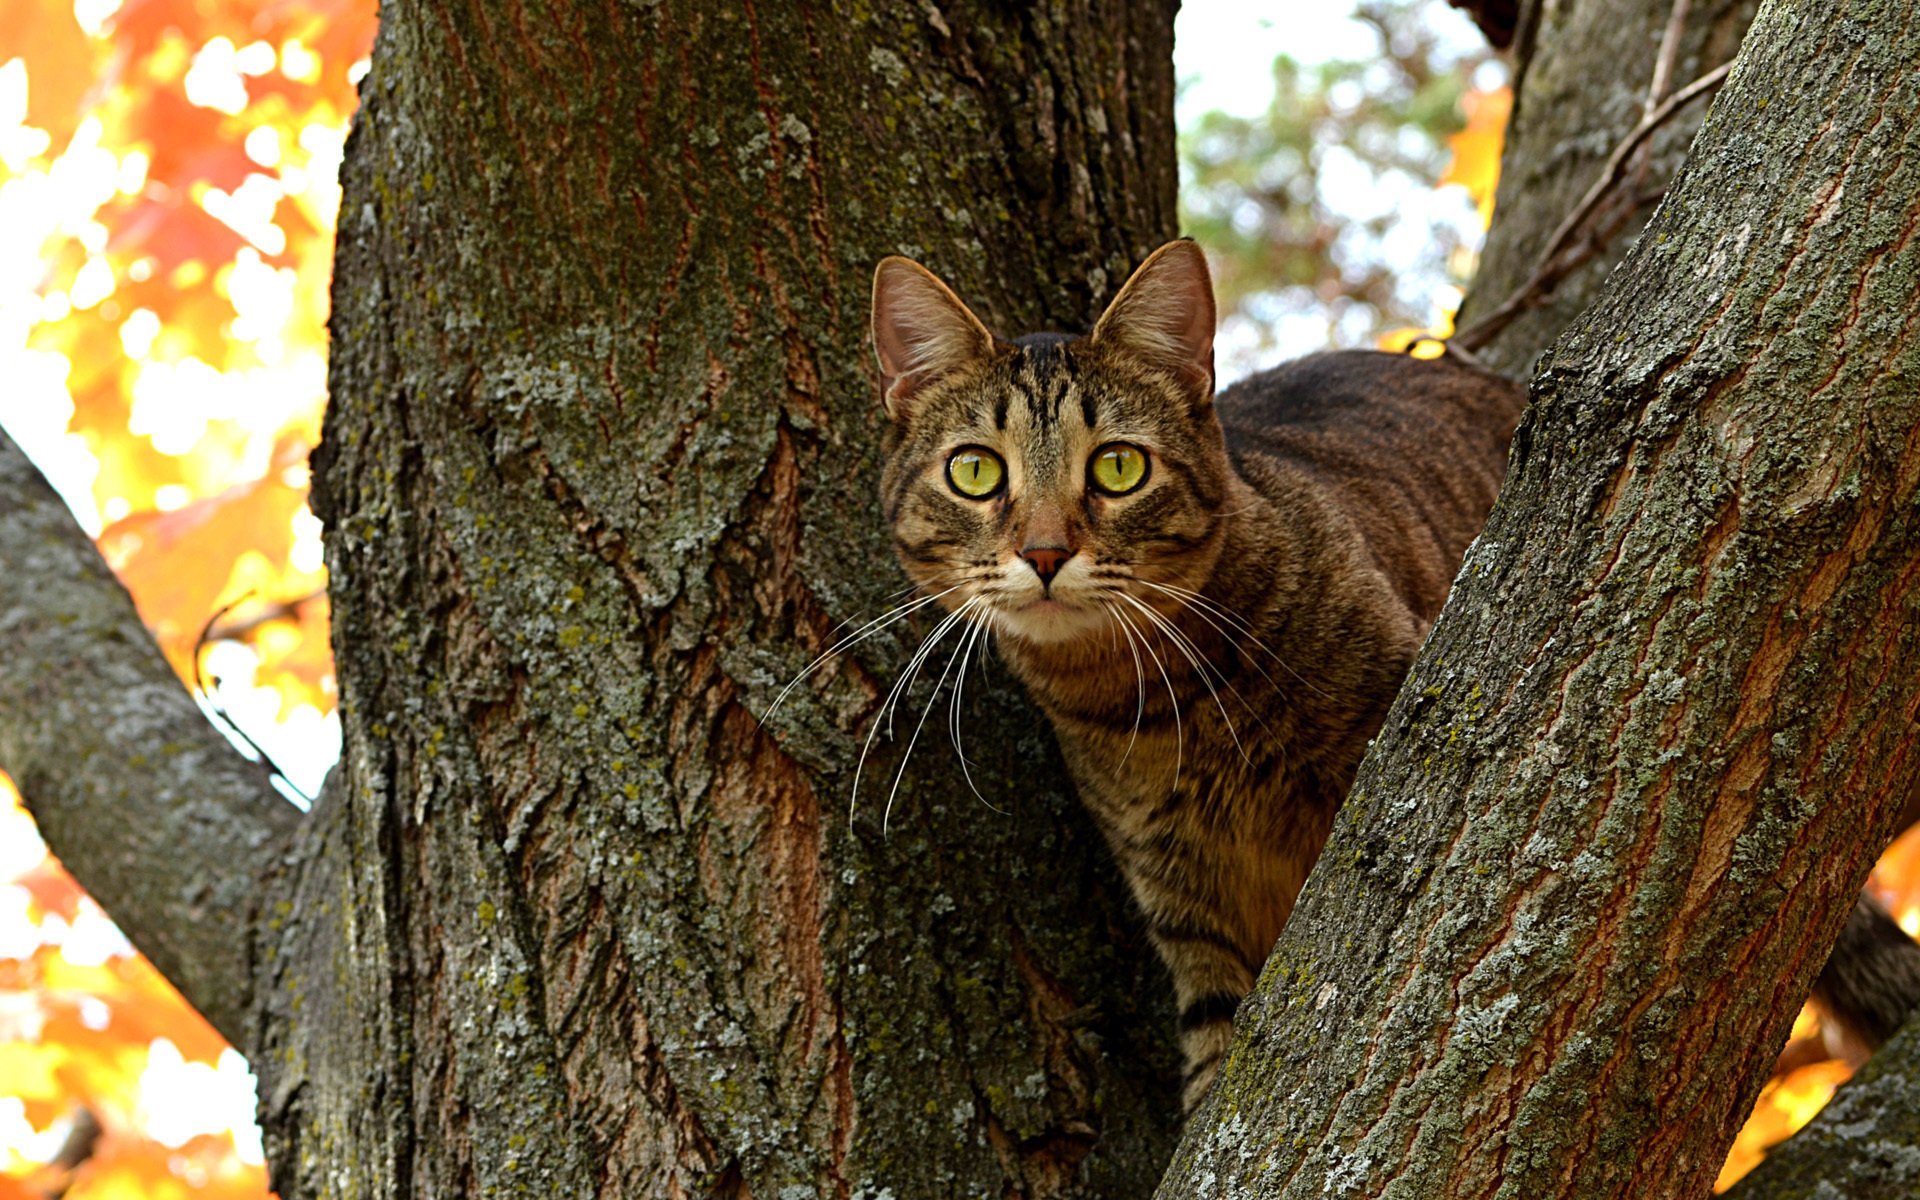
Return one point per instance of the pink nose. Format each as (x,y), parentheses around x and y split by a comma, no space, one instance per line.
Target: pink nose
(1046,561)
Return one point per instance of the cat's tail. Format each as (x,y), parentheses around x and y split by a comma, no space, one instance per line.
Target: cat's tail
(1870,984)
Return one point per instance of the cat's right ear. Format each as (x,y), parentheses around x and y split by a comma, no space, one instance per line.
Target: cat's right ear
(1164,317)
(921,332)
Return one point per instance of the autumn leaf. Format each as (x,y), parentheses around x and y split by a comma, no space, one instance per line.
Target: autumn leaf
(172,169)
(179,565)
(1475,164)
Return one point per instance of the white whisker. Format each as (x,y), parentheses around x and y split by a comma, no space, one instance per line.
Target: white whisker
(1179,737)
(1140,687)
(885,619)
(1185,645)
(900,685)
(886,815)
(972,638)
(1207,603)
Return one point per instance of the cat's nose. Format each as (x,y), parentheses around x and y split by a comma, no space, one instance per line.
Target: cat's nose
(1046,561)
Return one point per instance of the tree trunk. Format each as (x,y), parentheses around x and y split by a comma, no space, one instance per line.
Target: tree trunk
(598,475)
(1642,765)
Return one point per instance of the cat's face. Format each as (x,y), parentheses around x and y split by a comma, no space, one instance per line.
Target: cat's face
(1054,486)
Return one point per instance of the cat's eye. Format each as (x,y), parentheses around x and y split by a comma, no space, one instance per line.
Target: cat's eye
(976,472)
(1117,468)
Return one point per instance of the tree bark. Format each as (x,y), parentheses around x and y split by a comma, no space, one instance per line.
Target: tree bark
(1639,770)
(150,808)
(598,476)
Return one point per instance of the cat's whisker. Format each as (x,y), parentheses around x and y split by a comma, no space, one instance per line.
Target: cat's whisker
(1226,614)
(1179,736)
(886,815)
(1204,670)
(911,672)
(973,636)
(1140,687)
(1224,681)
(885,619)
(1200,606)
(900,685)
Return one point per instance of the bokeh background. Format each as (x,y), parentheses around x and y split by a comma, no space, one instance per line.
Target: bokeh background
(168,191)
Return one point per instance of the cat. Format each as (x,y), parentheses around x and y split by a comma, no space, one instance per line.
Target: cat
(1213,599)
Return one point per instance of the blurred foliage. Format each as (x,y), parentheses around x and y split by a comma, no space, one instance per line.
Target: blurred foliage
(168,191)
(1323,208)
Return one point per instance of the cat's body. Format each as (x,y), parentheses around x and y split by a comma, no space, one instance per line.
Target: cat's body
(1359,479)
(1214,599)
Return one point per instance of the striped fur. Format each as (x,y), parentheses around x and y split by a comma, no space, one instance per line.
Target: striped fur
(1220,644)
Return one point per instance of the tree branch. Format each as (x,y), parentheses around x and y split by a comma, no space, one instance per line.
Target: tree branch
(1861,1146)
(1555,262)
(1639,770)
(148,806)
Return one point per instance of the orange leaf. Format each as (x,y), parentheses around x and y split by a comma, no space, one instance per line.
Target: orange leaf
(52,889)
(178,564)
(1476,149)
(61,63)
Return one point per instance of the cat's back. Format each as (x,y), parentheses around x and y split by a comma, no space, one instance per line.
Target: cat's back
(1409,451)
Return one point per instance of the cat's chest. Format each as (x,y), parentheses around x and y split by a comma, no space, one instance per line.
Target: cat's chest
(1219,762)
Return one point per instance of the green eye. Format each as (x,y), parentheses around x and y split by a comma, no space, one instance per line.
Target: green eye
(1118,468)
(975,472)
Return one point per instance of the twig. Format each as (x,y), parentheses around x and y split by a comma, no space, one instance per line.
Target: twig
(1447,348)
(1549,269)
(220,710)
(1663,64)
(279,610)
(1669,54)
(73,1154)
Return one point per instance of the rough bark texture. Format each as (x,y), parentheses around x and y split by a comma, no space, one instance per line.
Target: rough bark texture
(598,476)
(1621,808)
(1581,77)
(1862,1146)
(148,806)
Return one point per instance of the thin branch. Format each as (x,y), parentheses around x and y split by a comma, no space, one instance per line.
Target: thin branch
(277,610)
(1669,55)
(142,799)
(1551,269)
(211,695)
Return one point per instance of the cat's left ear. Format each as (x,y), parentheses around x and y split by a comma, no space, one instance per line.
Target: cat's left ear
(1164,316)
(921,331)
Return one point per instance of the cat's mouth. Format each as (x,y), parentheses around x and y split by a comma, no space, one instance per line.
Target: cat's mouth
(1050,617)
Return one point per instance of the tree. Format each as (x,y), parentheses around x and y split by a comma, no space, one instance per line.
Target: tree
(597,470)
(718,972)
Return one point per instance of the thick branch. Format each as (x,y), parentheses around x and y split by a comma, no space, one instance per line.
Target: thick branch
(1618,813)
(1861,1146)
(142,800)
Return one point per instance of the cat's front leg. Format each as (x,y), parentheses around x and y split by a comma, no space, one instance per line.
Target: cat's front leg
(1210,978)
(1211,975)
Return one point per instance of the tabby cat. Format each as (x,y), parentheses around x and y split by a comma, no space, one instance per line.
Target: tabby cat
(1213,598)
